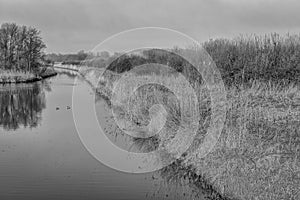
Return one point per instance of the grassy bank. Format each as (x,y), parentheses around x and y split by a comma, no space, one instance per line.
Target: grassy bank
(257,155)
(258,152)
(9,77)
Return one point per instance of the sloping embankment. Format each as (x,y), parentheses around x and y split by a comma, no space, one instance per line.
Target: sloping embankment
(176,171)
(100,80)
(257,155)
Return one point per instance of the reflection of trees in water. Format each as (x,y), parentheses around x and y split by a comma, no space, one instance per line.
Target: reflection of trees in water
(46,86)
(21,105)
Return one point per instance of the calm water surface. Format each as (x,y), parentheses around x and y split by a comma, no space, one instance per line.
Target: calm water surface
(41,155)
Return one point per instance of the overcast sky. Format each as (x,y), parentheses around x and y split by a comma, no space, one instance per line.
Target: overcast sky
(69,26)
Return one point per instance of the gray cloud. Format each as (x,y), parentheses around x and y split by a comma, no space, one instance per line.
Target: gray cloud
(68,26)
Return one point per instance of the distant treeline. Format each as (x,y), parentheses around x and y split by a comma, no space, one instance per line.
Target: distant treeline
(67,58)
(240,60)
(79,58)
(21,48)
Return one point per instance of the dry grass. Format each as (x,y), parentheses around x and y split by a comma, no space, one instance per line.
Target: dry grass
(14,76)
(257,155)
(7,76)
(258,152)
(268,57)
(139,112)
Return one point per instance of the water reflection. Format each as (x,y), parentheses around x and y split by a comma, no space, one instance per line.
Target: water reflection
(54,162)
(22,105)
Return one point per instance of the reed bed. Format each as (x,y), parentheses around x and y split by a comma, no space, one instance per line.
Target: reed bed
(7,76)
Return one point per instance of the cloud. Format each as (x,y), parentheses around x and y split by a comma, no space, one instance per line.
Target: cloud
(71,25)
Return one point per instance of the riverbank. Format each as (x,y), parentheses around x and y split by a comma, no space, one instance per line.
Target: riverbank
(178,171)
(257,154)
(67,66)
(12,77)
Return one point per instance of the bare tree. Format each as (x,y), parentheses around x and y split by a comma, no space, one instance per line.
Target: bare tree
(21,47)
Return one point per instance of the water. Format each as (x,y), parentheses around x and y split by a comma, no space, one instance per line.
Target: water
(41,155)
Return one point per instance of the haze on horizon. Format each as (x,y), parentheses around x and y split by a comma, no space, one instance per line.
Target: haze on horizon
(73,25)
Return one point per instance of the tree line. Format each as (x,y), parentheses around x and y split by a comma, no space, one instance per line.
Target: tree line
(97,59)
(70,58)
(21,48)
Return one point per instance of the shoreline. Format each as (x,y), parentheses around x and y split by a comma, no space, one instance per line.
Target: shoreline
(76,70)
(30,80)
(20,79)
(178,169)
(67,67)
